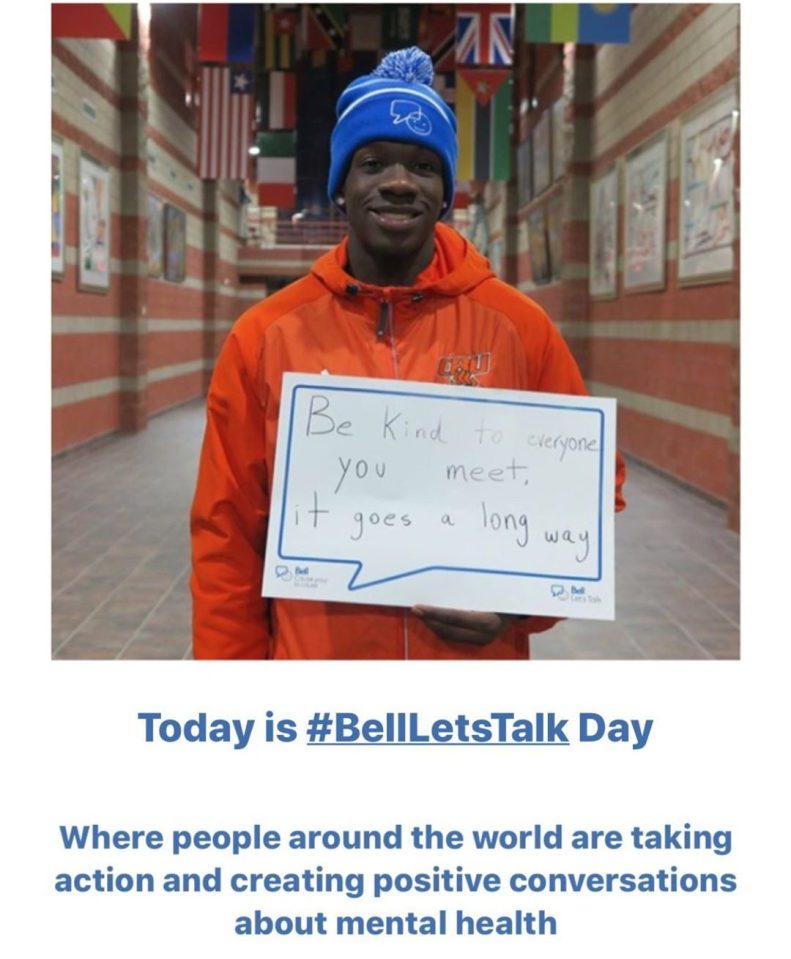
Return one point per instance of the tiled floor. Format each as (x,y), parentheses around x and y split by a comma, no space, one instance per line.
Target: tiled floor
(120,549)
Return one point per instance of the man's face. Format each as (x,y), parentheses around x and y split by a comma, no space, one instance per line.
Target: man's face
(393,197)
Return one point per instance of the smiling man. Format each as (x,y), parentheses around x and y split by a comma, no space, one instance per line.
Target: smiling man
(402,297)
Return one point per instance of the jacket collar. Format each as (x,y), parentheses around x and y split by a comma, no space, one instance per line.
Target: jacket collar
(455,268)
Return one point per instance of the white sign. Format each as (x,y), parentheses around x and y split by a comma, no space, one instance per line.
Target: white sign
(399,493)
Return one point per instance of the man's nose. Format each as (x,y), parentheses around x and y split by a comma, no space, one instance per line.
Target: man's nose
(398,179)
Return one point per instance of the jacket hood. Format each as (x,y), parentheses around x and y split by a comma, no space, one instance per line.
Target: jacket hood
(455,268)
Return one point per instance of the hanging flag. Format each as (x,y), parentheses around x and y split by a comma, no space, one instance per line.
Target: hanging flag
(365,31)
(276,170)
(92,21)
(278,99)
(438,36)
(461,199)
(484,34)
(445,85)
(226,33)
(483,101)
(400,25)
(323,26)
(577,22)
(278,38)
(225,122)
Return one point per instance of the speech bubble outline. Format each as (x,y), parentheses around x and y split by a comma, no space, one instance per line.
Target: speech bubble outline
(353,584)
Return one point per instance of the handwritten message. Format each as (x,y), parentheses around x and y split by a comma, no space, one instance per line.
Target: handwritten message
(401,493)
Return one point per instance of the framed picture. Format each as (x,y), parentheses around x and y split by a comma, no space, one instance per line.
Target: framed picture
(603,239)
(707,212)
(58,211)
(524,172)
(175,243)
(645,216)
(155,233)
(542,149)
(496,256)
(94,263)
(537,238)
(558,159)
(555,236)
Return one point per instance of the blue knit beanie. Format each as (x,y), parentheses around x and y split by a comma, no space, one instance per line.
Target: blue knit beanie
(395,102)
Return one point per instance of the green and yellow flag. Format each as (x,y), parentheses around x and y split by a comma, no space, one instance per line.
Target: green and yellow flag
(577,22)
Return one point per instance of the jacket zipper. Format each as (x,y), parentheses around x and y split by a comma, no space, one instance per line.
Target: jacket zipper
(385,325)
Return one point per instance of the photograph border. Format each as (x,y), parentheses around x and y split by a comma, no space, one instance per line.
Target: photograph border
(657,280)
(88,279)
(175,253)
(609,182)
(58,268)
(721,263)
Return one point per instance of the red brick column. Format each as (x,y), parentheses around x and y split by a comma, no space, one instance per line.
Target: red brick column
(134,246)
(212,307)
(734,456)
(577,115)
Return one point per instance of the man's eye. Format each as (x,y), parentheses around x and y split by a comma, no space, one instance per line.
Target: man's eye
(372,163)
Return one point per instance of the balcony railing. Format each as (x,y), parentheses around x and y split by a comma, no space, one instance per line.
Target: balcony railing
(265,231)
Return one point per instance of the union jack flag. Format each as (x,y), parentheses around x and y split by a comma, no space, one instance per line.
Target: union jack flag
(484,34)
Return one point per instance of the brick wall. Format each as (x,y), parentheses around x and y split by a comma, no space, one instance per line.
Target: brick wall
(670,356)
(147,343)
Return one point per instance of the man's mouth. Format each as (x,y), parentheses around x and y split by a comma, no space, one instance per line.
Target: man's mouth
(395,219)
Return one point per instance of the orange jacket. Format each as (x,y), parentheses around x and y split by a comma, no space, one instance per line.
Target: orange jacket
(457,323)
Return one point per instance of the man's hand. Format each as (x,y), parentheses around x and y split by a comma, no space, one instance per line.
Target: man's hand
(463,626)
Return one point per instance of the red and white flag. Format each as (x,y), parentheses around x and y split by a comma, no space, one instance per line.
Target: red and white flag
(277,179)
(280,104)
(225,129)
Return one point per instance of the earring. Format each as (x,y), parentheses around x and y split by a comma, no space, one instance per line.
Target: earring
(341,201)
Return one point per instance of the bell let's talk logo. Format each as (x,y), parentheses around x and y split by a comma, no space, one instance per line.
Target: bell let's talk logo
(410,113)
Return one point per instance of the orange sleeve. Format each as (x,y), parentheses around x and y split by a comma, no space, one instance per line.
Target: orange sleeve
(229,518)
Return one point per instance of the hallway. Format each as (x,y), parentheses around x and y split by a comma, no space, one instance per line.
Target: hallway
(120,554)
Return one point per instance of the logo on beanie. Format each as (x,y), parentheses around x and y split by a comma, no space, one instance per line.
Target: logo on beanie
(410,113)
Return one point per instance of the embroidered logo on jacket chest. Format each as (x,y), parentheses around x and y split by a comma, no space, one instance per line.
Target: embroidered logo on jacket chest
(463,369)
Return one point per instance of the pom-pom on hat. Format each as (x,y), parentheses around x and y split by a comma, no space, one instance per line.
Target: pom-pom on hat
(395,102)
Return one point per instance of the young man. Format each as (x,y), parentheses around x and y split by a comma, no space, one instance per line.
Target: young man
(402,297)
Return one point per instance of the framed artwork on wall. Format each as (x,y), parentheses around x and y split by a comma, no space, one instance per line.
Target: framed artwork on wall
(94,255)
(542,160)
(707,216)
(496,256)
(58,211)
(645,216)
(155,236)
(175,243)
(537,238)
(603,238)
(558,159)
(554,235)
(524,172)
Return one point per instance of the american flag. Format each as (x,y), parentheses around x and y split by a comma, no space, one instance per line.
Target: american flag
(484,35)
(225,126)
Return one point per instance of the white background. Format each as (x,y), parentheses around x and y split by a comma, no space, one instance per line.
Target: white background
(569,492)
(73,750)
